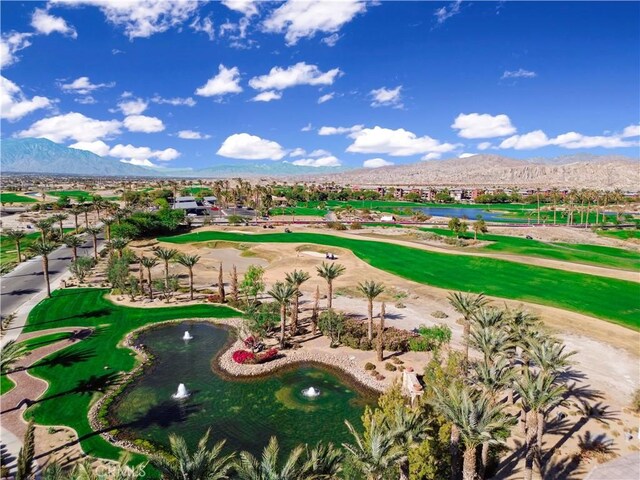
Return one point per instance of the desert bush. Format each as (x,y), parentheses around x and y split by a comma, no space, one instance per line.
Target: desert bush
(355,226)
(336,226)
(369,366)
(397,361)
(439,314)
(635,401)
(355,336)
(390,367)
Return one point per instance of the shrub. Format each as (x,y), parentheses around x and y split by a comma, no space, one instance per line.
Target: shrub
(355,336)
(268,355)
(397,361)
(439,314)
(369,366)
(243,357)
(379,377)
(214,298)
(635,401)
(435,336)
(419,344)
(390,367)
(336,226)
(356,226)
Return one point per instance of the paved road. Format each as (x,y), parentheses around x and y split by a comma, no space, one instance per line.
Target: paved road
(27,279)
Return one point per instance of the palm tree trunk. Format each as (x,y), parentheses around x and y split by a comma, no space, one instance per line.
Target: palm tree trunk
(531,445)
(541,425)
(370,331)
(454,452)
(150,286)
(294,314)
(484,460)
(330,296)
(95,247)
(404,469)
(465,333)
(45,271)
(469,467)
(140,274)
(166,274)
(74,252)
(283,320)
(18,249)
(191,282)
(380,339)
(76,222)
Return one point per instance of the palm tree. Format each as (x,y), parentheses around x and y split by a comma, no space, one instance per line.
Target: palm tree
(119,244)
(282,293)
(538,394)
(371,290)
(45,227)
(409,427)
(491,341)
(466,305)
(478,420)
(108,221)
(203,463)
(85,209)
(76,211)
(324,461)
(149,263)
(549,355)
(380,339)
(189,261)
(11,353)
(166,255)
(94,231)
(73,242)
(16,236)
(44,249)
(296,278)
(248,467)
(330,271)
(376,453)
(59,217)
(493,375)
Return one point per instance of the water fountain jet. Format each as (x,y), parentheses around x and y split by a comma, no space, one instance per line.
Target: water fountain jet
(187,336)
(311,392)
(181,393)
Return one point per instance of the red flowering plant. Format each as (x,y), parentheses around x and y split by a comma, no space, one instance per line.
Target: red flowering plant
(268,355)
(243,356)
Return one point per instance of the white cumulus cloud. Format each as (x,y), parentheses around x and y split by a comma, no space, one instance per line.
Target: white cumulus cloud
(83,86)
(176,101)
(10,44)
(14,104)
(297,152)
(328,161)
(631,131)
(45,23)
(303,19)
(301,73)
(569,140)
(339,130)
(267,96)
(386,97)
(140,18)
(397,143)
(246,7)
(376,163)
(483,125)
(142,123)
(467,155)
(98,147)
(326,97)
(484,145)
(250,147)
(142,155)
(73,126)
(133,107)
(192,135)
(226,81)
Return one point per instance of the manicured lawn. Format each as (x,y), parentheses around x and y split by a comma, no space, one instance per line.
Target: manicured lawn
(568,252)
(6,384)
(620,234)
(78,374)
(44,340)
(606,298)
(15,198)
(70,193)
(298,211)
(8,251)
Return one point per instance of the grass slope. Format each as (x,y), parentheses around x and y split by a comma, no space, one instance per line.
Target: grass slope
(620,234)
(8,251)
(609,299)
(70,193)
(568,252)
(15,198)
(77,374)
(6,384)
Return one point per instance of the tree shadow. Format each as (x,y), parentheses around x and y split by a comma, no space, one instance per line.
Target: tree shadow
(508,467)
(22,291)
(64,358)
(567,468)
(102,312)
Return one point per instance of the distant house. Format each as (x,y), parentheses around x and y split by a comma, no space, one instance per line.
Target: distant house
(387,218)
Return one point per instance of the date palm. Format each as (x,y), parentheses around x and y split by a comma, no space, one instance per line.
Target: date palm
(85,209)
(44,249)
(73,242)
(409,427)
(45,227)
(166,255)
(370,290)
(189,261)
(490,341)
(11,353)
(466,304)
(538,394)
(269,467)
(330,271)
(549,355)
(94,231)
(377,453)
(108,221)
(76,212)
(478,420)
(149,263)
(296,278)
(201,464)
(119,244)
(60,217)
(282,293)
(324,461)
(16,236)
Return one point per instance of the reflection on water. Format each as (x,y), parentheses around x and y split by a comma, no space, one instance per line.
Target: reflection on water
(245,413)
(462,212)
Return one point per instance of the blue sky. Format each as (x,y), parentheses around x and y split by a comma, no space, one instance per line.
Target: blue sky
(184,84)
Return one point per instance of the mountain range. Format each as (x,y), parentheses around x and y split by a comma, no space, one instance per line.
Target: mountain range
(39,155)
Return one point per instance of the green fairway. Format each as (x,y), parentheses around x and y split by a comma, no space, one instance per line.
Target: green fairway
(79,373)
(568,252)
(70,193)
(6,384)
(298,211)
(619,234)
(15,198)
(606,298)
(44,340)
(8,251)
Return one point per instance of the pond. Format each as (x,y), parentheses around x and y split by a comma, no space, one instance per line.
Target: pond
(244,412)
(468,212)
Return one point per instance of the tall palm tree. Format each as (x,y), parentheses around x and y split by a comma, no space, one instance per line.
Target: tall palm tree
(282,293)
(330,271)
(477,418)
(108,221)
(380,339)
(269,467)
(371,290)
(119,244)
(76,212)
(549,355)
(466,304)
(538,394)
(45,227)
(203,463)
(493,375)
(16,236)
(377,453)
(44,249)
(166,255)
(149,263)
(85,209)
(409,427)
(94,231)
(11,353)
(296,278)
(59,217)
(73,242)
(324,461)
(490,341)
(189,261)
